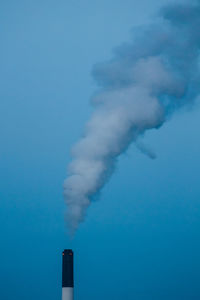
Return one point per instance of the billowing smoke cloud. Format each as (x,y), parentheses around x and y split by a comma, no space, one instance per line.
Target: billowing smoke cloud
(140,88)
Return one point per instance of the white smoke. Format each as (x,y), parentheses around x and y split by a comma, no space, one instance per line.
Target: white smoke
(146,81)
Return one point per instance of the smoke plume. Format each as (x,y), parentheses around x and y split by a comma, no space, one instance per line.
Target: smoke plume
(147,80)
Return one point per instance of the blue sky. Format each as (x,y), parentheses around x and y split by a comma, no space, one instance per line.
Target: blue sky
(141,240)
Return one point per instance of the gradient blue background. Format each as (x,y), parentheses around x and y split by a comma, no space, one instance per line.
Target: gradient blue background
(141,240)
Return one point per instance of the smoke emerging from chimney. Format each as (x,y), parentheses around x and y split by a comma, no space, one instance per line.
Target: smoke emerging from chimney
(148,79)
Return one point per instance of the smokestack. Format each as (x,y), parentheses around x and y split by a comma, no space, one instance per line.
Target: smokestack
(67,275)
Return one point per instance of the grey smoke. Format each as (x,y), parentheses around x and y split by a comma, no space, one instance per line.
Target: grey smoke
(148,79)
(145,149)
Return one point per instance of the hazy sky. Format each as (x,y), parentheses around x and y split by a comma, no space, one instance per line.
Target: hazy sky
(141,240)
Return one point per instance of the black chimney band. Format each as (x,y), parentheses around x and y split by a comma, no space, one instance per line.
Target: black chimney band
(67,268)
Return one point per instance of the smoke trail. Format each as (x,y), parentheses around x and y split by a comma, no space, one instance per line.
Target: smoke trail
(144,149)
(146,81)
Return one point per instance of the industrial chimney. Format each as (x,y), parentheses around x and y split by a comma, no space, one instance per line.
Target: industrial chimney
(67,275)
